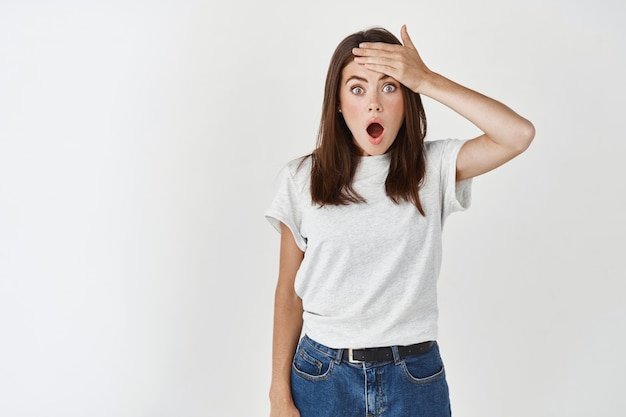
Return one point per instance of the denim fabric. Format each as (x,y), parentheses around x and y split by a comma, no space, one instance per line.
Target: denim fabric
(324,385)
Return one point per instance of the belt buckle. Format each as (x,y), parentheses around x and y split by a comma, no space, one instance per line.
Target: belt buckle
(351,356)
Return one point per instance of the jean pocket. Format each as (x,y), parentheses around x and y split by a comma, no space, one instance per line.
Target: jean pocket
(311,364)
(423,369)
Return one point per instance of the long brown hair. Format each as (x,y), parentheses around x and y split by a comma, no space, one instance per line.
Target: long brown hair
(336,157)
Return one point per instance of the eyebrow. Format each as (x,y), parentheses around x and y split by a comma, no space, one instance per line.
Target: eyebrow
(356,77)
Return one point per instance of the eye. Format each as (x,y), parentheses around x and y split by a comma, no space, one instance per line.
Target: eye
(389,88)
(357,90)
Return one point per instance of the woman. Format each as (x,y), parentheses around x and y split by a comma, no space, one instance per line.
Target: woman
(361,221)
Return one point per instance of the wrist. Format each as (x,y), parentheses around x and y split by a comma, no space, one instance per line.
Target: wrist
(429,83)
(280,394)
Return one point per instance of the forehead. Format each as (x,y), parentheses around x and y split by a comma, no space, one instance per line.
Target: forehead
(360,71)
(357,70)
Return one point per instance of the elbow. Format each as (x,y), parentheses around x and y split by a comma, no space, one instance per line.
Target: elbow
(525,133)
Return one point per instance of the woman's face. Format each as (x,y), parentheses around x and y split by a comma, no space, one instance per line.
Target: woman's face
(372,105)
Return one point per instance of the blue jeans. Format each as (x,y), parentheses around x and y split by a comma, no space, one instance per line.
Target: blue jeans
(325,385)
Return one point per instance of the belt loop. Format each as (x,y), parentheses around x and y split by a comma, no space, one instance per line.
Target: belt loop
(338,356)
(396,355)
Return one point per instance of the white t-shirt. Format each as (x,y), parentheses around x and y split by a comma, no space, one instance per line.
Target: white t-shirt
(369,273)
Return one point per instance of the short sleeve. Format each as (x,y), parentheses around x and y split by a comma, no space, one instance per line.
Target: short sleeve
(286,207)
(456,194)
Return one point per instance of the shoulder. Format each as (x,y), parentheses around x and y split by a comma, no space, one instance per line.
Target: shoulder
(442,154)
(442,146)
(296,173)
(299,167)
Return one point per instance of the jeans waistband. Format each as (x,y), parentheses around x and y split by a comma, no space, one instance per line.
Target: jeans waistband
(379,354)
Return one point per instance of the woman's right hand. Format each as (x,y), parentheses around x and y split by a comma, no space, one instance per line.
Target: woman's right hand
(285,409)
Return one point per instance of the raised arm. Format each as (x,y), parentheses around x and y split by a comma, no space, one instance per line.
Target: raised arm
(505,133)
(287,326)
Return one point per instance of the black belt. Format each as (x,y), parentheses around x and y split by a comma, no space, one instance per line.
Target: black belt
(385,353)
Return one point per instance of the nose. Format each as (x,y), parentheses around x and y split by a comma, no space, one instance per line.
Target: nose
(375,104)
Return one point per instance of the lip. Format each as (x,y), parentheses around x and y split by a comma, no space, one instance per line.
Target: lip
(375,120)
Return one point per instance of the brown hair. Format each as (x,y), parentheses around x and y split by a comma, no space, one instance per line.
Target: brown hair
(336,157)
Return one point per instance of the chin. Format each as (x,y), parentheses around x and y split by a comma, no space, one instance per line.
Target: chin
(370,149)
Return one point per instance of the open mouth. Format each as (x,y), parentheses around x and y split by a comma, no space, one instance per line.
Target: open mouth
(375,130)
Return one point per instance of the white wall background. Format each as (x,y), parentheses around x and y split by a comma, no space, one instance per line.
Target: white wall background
(139,144)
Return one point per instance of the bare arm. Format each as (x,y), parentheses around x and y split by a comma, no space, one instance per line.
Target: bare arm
(506,134)
(287,326)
